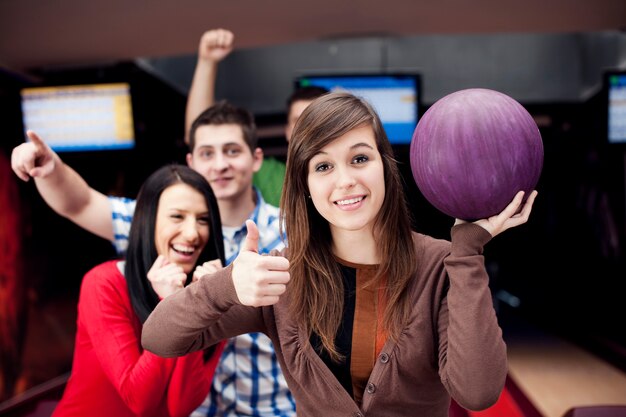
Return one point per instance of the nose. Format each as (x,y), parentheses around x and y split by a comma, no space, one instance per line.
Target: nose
(189,230)
(220,162)
(345,177)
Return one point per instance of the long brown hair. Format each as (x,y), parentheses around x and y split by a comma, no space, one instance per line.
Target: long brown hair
(316,286)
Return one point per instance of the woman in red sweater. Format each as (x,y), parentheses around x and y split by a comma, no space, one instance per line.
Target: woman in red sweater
(175,238)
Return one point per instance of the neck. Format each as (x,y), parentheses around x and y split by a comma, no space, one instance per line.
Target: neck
(234,212)
(358,247)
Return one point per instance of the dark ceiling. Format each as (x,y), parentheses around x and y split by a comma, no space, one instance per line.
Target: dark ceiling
(40,34)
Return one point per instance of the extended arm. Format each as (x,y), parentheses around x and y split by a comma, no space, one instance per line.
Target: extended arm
(61,187)
(214,46)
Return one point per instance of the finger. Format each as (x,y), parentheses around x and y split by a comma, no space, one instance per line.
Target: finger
(251,242)
(275,290)
(215,263)
(198,273)
(528,205)
(228,38)
(17,165)
(274,277)
(172,269)
(161,261)
(41,171)
(211,266)
(40,145)
(274,263)
(267,300)
(510,210)
(177,278)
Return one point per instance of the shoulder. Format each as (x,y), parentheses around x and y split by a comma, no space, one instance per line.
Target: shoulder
(428,247)
(102,278)
(122,205)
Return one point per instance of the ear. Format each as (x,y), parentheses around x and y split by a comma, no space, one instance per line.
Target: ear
(189,159)
(257,159)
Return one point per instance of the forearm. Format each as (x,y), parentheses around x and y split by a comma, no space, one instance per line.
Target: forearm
(67,193)
(63,189)
(199,316)
(202,92)
(475,364)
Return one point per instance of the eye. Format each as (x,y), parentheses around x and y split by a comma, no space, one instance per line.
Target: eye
(360,159)
(233,151)
(205,153)
(176,216)
(322,166)
(204,220)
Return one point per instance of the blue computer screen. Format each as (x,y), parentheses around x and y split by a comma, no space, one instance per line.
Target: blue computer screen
(89,117)
(395,97)
(616,84)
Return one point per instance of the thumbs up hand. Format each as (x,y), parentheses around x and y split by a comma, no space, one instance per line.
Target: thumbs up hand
(259,280)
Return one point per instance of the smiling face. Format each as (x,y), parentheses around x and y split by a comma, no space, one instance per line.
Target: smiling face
(182,225)
(346,181)
(222,156)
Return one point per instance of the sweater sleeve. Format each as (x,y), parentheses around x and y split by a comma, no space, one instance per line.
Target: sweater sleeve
(141,378)
(199,316)
(473,362)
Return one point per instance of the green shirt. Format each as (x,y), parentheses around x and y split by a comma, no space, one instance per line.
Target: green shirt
(269,180)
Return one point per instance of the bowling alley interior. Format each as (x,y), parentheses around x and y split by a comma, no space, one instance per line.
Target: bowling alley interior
(558,282)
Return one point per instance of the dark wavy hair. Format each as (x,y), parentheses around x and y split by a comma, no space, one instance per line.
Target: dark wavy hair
(142,252)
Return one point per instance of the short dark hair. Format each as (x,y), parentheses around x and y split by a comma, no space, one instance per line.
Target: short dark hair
(310,92)
(223,113)
(142,252)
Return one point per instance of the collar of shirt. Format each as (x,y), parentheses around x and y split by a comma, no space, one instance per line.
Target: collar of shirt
(267,220)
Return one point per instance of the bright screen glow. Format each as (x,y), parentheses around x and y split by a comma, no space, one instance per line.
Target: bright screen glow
(617,108)
(394,97)
(80,117)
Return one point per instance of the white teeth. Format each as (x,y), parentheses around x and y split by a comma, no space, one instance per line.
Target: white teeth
(183,248)
(350,201)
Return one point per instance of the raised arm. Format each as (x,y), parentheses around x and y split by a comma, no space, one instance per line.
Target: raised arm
(214,46)
(61,187)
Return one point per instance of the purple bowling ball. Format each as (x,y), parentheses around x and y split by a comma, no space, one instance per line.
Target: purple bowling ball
(473,150)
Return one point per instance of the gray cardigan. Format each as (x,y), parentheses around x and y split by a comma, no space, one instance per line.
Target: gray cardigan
(451,346)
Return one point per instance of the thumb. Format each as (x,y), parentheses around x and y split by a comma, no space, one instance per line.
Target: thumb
(251,243)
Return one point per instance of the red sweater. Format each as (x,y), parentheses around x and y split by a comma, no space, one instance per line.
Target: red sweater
(111,374)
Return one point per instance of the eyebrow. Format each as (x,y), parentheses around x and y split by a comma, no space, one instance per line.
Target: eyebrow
(355,146)
(184,210)
(223,145)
